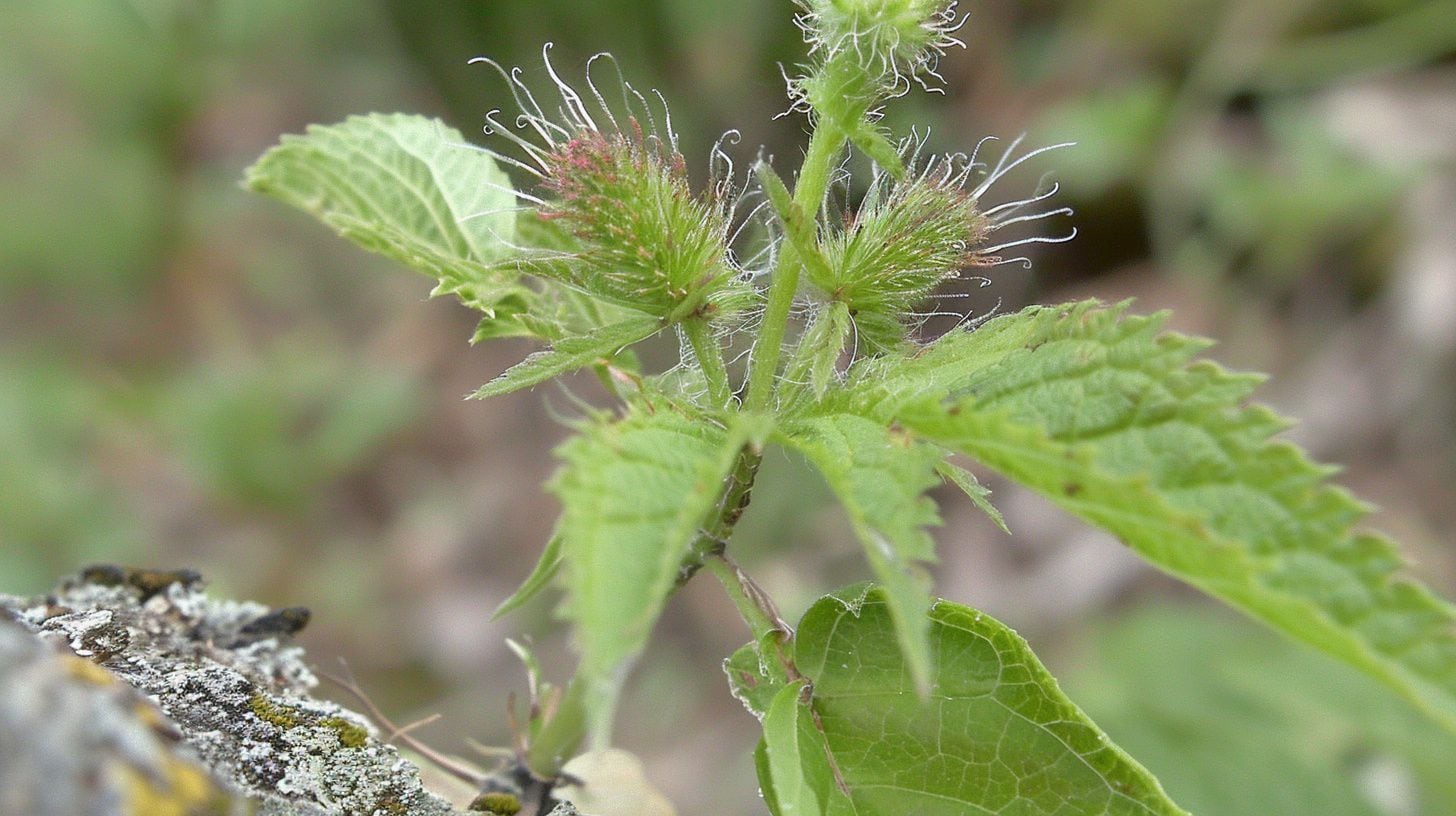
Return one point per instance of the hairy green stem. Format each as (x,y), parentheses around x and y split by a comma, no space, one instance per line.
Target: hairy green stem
(813,183)
(710,360)
(714,537)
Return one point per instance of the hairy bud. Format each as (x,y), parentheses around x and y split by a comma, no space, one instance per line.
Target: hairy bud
(890,40)
(649,241)
(902,246)
(615,195)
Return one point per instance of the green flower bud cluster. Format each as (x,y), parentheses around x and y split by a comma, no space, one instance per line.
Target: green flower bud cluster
(901,245)
(614,215)
(888,41)
(647,241)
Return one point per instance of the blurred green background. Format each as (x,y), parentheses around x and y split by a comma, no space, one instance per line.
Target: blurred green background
(190,375)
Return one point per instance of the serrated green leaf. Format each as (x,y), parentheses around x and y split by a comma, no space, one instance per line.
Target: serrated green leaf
(569,354)
(409,188)
(979,494)
(881,478)
(546,568)
(634,494)
(508,319)
(995,736)
(1113,420)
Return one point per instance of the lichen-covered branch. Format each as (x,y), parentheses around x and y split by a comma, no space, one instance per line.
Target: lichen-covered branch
(131,692)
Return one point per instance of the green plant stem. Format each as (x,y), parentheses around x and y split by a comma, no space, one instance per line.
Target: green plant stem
(824,147)
(718,528)
(759,619)
(710,360)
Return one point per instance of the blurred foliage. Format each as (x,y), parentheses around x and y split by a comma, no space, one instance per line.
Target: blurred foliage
(191,376)
(56,506)
(1208,115)
(270,434)
(1234,720)
(714,62)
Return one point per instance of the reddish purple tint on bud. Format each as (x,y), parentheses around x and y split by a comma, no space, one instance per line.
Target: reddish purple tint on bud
(643,239)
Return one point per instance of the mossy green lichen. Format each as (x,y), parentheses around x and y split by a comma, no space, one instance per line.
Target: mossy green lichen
(497,802)
(351,734)
(274,714)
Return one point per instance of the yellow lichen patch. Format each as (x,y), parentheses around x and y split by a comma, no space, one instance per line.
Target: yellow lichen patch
(88,672)
(186,791)
(504,804)
(273,713)
(152,717)
(351,735)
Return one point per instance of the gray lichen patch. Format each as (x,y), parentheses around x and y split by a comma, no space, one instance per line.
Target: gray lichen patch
(230,702)
(75,739)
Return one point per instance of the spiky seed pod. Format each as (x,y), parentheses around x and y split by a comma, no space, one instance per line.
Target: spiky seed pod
(614,201)
(911,236)
(891,41)
(901,246)
(650,243)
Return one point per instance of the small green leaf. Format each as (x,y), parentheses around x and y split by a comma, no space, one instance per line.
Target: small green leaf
(816,359)
(979,494)
(1112,419)
(756,673)
(881,478)
(795,753)
(569,354)
(546,569)
(871,139)
(798,227)
(634,495)
(765,776)
(409,188)
(995,736)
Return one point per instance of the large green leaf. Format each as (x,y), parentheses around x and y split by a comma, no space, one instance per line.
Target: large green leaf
(1111,419)
(409,188)
(634,495)
(995,736)
(881,477)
